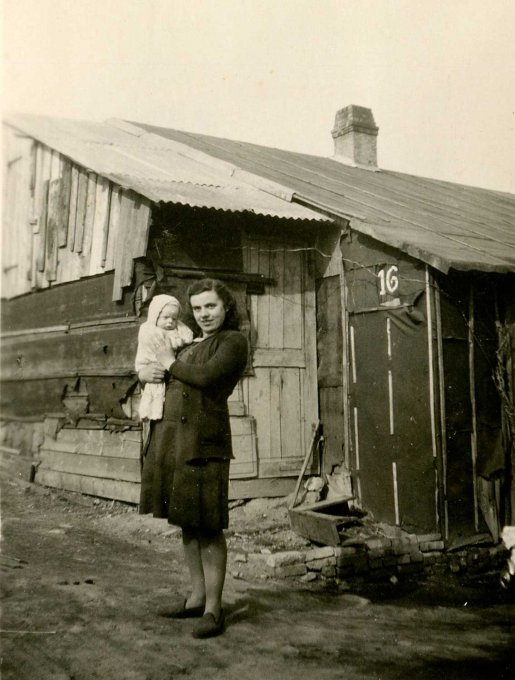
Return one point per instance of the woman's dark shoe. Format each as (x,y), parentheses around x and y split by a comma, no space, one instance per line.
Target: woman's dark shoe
(180,611)
(208,626)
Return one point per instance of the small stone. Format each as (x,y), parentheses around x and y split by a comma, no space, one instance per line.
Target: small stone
(240,557)
(345,552)
(424,538)
(282,559)
(394,580)
(310,576)
(237,574)
(319,553)
(430,546)
(318,565)
(290,570)
(266,551)
(328,571)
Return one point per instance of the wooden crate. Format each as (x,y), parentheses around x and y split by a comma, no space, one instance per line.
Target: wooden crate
(320,522)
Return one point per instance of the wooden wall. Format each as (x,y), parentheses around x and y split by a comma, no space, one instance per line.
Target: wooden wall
(70,351)
(62,223)
(56,337)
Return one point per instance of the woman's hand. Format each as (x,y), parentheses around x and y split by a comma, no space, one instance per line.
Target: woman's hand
(166,357)
(162,347)
(151,373)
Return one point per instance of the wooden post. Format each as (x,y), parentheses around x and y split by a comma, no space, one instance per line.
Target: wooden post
(472,388)
(443,427)
(345,357)
(309,453)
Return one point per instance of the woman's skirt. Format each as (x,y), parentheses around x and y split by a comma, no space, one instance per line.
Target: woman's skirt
(190,495)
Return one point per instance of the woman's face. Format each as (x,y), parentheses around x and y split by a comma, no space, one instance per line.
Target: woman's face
(209,311)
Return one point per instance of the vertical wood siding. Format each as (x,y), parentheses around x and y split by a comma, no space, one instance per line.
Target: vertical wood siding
(282,394)
(62,222)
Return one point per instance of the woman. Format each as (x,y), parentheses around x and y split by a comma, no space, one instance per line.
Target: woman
(185,476)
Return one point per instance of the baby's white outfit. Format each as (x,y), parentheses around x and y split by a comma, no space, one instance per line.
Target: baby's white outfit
(153,394)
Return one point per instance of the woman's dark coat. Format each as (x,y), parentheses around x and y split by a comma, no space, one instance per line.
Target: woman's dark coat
(200,391)
(185,472)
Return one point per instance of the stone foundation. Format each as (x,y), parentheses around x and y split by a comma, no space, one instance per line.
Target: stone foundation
(381,559)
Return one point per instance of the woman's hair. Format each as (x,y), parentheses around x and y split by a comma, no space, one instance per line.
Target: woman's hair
(232,318)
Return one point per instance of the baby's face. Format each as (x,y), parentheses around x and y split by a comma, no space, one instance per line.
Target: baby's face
(167,320)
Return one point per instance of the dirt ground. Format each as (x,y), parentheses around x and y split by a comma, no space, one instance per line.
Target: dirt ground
(82,579)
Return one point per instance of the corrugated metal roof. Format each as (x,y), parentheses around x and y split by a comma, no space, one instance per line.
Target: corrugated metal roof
(444,224)
(158,168)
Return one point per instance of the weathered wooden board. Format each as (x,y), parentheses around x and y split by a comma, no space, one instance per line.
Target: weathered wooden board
(315,526)
(77,301)
(64,204)
(100,226)
(43,163)
(126,445)
(134,223)
(93,486)
(72,212)
(294,300)
(111,246)
(89,218)
(260,262)
(30,221)
(244,464)
(121,255)
(40,257)
(82,198)
(279,358)
(52,224)
(122,469)
(276,296)
(331,415)
(31,399)
(96,350)
(259,488)
(291,415)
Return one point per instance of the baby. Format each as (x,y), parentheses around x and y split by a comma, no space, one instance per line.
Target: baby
(162,324)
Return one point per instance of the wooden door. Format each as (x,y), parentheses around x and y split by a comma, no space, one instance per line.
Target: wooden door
(282,393)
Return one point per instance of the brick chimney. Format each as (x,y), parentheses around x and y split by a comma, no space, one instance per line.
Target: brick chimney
(355,137)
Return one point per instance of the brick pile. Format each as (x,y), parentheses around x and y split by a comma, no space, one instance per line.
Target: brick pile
(381,558)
